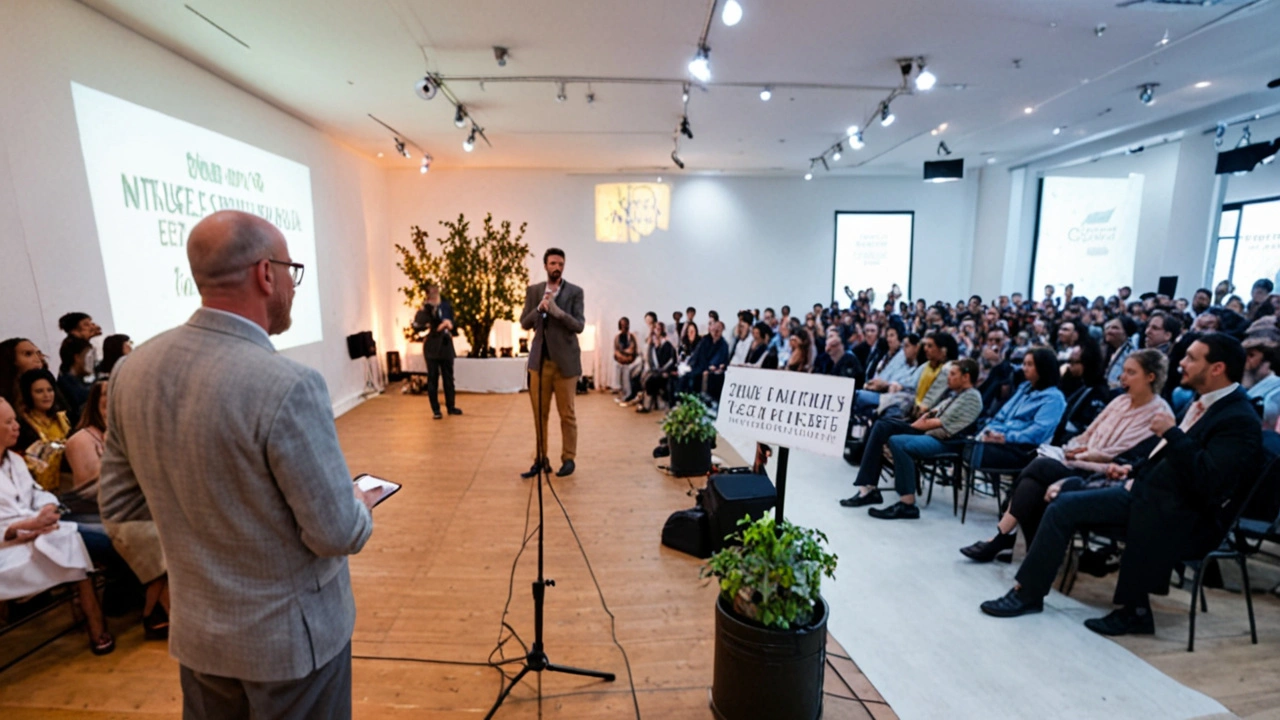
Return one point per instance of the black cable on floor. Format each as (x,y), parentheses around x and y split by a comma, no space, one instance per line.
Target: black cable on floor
(613,621)
(506,607)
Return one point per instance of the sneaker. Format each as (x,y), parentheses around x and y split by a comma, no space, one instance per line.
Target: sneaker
(896,511)
(872,498)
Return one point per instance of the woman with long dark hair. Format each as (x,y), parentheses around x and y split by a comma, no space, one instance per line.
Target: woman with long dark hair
(45,421)
(114,348)
(17,356)
(1027,420)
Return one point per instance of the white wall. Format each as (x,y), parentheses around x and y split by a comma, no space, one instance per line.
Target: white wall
(733,242)
(48,239)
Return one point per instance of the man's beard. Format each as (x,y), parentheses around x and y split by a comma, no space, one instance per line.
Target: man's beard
(279,314)
(554,275)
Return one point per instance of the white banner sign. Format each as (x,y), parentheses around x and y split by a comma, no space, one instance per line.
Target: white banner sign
(794,410)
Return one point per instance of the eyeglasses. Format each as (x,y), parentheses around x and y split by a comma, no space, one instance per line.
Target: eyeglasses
(296,270)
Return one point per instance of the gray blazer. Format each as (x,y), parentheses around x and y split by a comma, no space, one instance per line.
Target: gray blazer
(235,450)
(560,331)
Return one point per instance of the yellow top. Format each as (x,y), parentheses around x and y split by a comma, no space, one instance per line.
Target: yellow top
(47,468)
(927,376)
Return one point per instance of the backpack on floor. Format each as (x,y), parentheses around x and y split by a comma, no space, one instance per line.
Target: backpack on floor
(688,532)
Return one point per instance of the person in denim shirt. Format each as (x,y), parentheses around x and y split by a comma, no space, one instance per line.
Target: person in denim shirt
(1028,419)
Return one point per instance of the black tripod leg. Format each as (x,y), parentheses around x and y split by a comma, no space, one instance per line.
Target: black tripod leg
(507,691)
(606,676)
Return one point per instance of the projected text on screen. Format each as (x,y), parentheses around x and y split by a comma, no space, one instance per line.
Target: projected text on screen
(151,179)
(1088,234)
(873,250)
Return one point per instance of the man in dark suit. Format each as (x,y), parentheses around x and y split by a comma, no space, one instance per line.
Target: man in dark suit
(1174,505)
(553,309)
(436,317)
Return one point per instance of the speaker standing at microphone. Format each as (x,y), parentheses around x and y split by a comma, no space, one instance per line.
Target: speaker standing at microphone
(553,310)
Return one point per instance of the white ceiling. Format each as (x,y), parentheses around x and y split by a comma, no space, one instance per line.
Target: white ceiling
(334,62)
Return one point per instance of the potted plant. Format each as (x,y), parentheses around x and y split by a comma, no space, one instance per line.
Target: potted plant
(771,622)
(689,432)
(483,276)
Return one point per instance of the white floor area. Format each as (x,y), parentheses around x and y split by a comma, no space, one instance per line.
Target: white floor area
(905,606)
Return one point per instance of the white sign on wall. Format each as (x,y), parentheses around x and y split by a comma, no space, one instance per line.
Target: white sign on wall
(794,410)
(873,250)
(1088,234)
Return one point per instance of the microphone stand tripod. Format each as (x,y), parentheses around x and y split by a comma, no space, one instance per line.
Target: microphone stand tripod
(536,660)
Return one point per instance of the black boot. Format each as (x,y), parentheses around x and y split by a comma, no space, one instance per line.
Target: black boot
(1000,547)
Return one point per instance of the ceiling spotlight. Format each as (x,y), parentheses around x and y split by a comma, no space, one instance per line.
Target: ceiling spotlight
(470,143)
(808,175)
(1028,110)
(1202,84)
(591,95)
(835,156)
(1219,133)
(426,88)
(459,117)
(684,95)
(426,164)
(1099,29)
(675,158)
(1057,131)
(659,178)
(379,154)
(684,127)
(1147,93)
(943,127)
(886,117)
(732,13)
(943,149)
(852,131)
(561,96)
(925,80)
(766,93)
(400,148)
(991,161)
(1164,40)
(700,65)
(855,141)
(501,54)
(1246,137)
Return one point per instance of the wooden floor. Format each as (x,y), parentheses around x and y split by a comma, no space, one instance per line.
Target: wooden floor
(433,581)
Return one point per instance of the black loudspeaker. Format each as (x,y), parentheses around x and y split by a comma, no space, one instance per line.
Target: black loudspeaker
(361,345)
(729,498)
(1168,285)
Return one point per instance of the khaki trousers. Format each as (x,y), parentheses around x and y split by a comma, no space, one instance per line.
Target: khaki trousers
(541,386)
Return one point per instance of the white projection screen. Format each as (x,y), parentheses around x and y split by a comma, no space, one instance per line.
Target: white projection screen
(873,250)
(151,179)
(1087,235)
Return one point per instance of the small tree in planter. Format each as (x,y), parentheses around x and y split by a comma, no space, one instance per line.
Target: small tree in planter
(771,622)
(483,277)
(689,432)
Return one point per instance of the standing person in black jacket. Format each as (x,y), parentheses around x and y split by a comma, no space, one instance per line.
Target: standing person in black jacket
(1174,505)
(436,317)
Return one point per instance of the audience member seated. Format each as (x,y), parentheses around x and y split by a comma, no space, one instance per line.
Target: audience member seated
(661,372)
(1117,338)
(712,352)
(1085,461)
(689,341)
(44,425)
(17,356)
(73,373)
(939,350)
(80,325)
(1084,386)
(871,346)
(1027,420)
(995,371)
(1162,330)
(114,348)
(1259,303)
(761,353)
(37,550)
(800,356)
(896,371)
(740,343)
(919,440)
(1173,505)
(835,360)
(626,356)
(1260,381)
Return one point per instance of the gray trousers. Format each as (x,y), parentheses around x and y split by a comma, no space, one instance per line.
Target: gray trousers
(323,695)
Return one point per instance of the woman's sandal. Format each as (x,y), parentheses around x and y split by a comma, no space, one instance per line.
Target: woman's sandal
(103,644)
(156,625)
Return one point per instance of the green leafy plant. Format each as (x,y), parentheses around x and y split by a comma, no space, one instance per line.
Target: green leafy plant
(775,576)
(484,277)
(689,421)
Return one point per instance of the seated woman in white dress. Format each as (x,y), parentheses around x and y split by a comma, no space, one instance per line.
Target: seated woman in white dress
(37,551)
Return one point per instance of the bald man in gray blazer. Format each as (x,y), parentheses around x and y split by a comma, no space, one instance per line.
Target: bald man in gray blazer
(231,449)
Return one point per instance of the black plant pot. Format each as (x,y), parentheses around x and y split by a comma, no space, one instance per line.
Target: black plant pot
(766,673)
(690,458)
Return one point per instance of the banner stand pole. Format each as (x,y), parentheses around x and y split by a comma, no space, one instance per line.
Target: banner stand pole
(783,453)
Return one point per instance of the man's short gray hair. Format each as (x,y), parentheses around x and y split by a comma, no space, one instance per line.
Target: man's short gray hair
(227,243)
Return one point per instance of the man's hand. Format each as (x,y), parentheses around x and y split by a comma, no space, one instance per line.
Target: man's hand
(895,387)
(1117,472)
(1160,424)
(369,498)
(545,304)
(993,437)
(446,325)
(1073,453)
(1053,491)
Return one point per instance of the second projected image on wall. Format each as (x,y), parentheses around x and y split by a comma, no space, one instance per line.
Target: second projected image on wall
(873,251)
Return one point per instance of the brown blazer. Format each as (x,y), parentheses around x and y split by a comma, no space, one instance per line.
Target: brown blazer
(559,332)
